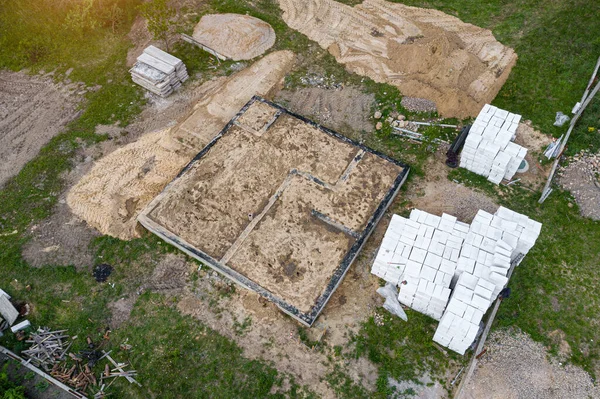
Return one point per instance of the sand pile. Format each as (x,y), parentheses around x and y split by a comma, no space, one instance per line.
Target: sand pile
(425,53)
(239,37)
(121,184)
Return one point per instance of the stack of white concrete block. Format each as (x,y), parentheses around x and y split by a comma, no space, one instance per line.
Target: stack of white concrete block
(427,256)
(489,150)
(158,71)
(494,241)
(460,323)
(420,254)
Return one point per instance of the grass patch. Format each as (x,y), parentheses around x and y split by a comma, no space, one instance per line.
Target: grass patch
(404,351)
(53,35)
(205,364)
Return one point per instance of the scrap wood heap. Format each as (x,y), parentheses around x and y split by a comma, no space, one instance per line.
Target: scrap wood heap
(453,271)
(48,348)
(50,351)
(158,71)
(75,376)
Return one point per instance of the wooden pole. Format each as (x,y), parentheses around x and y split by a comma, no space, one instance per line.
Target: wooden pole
(564,143)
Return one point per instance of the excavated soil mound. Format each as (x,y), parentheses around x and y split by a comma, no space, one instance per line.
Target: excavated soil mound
(239,37)
(122,183)
(425,53)
(33,109)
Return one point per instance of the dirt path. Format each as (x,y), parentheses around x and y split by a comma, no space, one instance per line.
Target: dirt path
(273,337)
(122,183)
(33,109)
(516,367)
(425,53)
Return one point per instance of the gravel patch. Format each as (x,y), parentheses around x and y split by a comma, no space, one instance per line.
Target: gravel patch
(416,104)
(515,366)
(580,177)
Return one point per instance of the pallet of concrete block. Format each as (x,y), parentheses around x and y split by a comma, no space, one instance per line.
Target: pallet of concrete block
(158,71)
(489,149)
(460,323)
(419,254)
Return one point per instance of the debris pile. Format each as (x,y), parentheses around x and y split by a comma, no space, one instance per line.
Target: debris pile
(428,255)
(48,348)
(75,376)
(102,271)
(489,150)
(158,71)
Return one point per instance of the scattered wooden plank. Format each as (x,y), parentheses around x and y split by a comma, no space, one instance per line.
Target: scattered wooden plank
(42,374)
(120,368)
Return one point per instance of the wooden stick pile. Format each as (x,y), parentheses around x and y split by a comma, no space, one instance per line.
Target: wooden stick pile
(158,71)
(76,376)
(48,348)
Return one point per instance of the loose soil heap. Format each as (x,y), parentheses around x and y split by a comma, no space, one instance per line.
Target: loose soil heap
(119,185)
(425,53)
(33,109)
(239,37)
(345,110)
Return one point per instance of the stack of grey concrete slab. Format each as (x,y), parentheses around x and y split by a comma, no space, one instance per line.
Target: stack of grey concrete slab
(489,149)
(443,265)
(158,71)
(8,313)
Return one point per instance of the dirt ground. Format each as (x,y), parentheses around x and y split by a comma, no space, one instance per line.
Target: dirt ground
(33,109)
(516,367)
(63,239)
(273,337)
(535,142)
(283,247)
(347,109)
(141,38)
(123,182)
(425,53)
(581,177)
(236,36)
(437,194)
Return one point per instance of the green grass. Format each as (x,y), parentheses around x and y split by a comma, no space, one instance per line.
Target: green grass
(44,34)
(403,350)
(177,357)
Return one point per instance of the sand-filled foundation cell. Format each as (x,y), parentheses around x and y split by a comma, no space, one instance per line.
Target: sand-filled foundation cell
(278,204)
